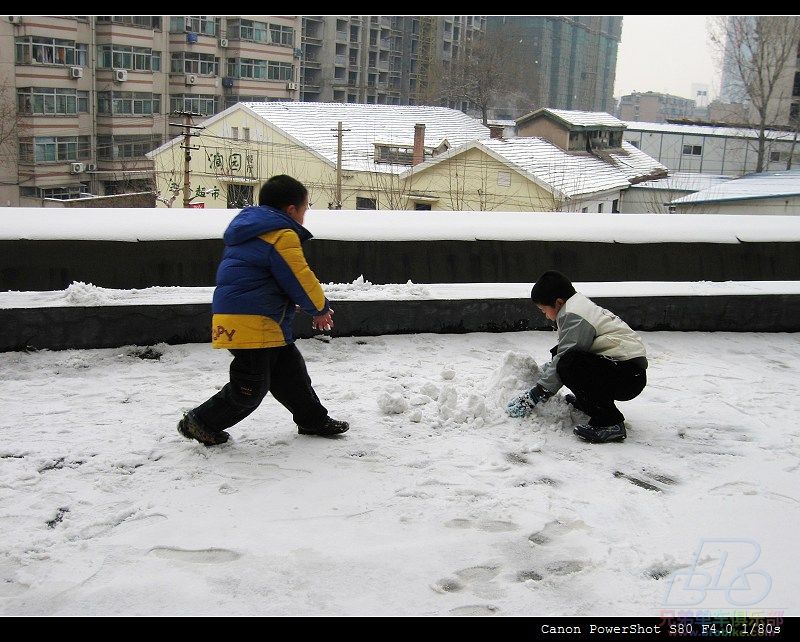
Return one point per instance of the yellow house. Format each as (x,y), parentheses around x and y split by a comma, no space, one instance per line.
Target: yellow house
(239,148)
(529,174)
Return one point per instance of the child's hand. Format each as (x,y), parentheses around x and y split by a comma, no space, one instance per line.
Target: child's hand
(323,322)
(521,406)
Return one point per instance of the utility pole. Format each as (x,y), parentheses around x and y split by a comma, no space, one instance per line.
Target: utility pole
(337,204)
(187,155)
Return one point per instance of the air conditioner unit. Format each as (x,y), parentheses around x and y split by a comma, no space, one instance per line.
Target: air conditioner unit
(76,72)
(76,168)
(223,42)
(190,79)
(91,167)
(227,81)
(120,75)
(15,20)
(291,86)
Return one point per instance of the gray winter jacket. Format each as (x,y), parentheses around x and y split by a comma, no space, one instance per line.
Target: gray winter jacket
(585,326)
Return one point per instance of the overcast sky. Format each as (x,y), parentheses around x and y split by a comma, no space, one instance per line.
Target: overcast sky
(665,54)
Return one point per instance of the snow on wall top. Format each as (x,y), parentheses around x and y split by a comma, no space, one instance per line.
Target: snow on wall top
(131,224)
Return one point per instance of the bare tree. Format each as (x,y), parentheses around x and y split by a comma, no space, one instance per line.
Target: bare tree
(487,68)
(758,52)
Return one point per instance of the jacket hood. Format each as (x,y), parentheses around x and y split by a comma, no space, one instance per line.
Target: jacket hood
(255,220)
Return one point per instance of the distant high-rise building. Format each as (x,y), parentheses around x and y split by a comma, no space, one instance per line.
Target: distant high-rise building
(569,62)
(379,59)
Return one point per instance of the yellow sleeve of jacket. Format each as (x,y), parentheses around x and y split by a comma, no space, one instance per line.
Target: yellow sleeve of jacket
(291,271)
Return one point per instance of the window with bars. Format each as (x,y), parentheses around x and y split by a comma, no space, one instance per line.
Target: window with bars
(49,101)
(69,191)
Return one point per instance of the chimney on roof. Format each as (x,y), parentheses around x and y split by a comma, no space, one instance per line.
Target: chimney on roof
(496,131)
(419,144)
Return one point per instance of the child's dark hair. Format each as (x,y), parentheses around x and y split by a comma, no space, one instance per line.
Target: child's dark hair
(281,191)
(551,285)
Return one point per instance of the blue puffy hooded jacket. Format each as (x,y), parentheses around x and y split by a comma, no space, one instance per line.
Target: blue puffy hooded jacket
(263,274)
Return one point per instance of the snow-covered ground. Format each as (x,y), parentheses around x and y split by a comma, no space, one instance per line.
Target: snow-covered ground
(435,502)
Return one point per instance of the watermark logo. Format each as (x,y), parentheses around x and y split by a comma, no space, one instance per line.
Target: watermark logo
(721,569)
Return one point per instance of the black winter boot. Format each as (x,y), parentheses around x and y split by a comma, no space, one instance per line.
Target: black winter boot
(190,428)
(329,428)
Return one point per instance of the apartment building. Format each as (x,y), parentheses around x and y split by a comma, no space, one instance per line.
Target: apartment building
(385,60)
(654,107)
(569,62)
(83,98)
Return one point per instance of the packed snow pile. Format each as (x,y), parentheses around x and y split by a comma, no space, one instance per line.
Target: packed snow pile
(362,289)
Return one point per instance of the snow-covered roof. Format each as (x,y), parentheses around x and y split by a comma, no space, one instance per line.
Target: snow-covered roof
(313,125)
(566,174)
(752,186)
(685,182)
(576,118)
(705,130)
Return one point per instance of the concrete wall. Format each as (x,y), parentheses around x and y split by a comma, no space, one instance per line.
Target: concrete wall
(114,326)
(53,265)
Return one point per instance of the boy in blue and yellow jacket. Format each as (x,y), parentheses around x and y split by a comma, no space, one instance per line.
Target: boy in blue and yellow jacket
(263,276)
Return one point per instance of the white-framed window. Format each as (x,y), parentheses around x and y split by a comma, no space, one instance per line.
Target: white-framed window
(116,56)
(47,149)
(126,146)
(36,50)
(194,63)
(205,104)
(503,178)
(128,103)
(50,101)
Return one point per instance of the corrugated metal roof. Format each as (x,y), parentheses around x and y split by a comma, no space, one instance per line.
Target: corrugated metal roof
(705,130)
(312,123)
(573,174)
(587,118)
(685,182)
(752,186)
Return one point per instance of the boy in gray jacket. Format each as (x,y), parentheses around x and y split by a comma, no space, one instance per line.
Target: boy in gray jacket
(598,357)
